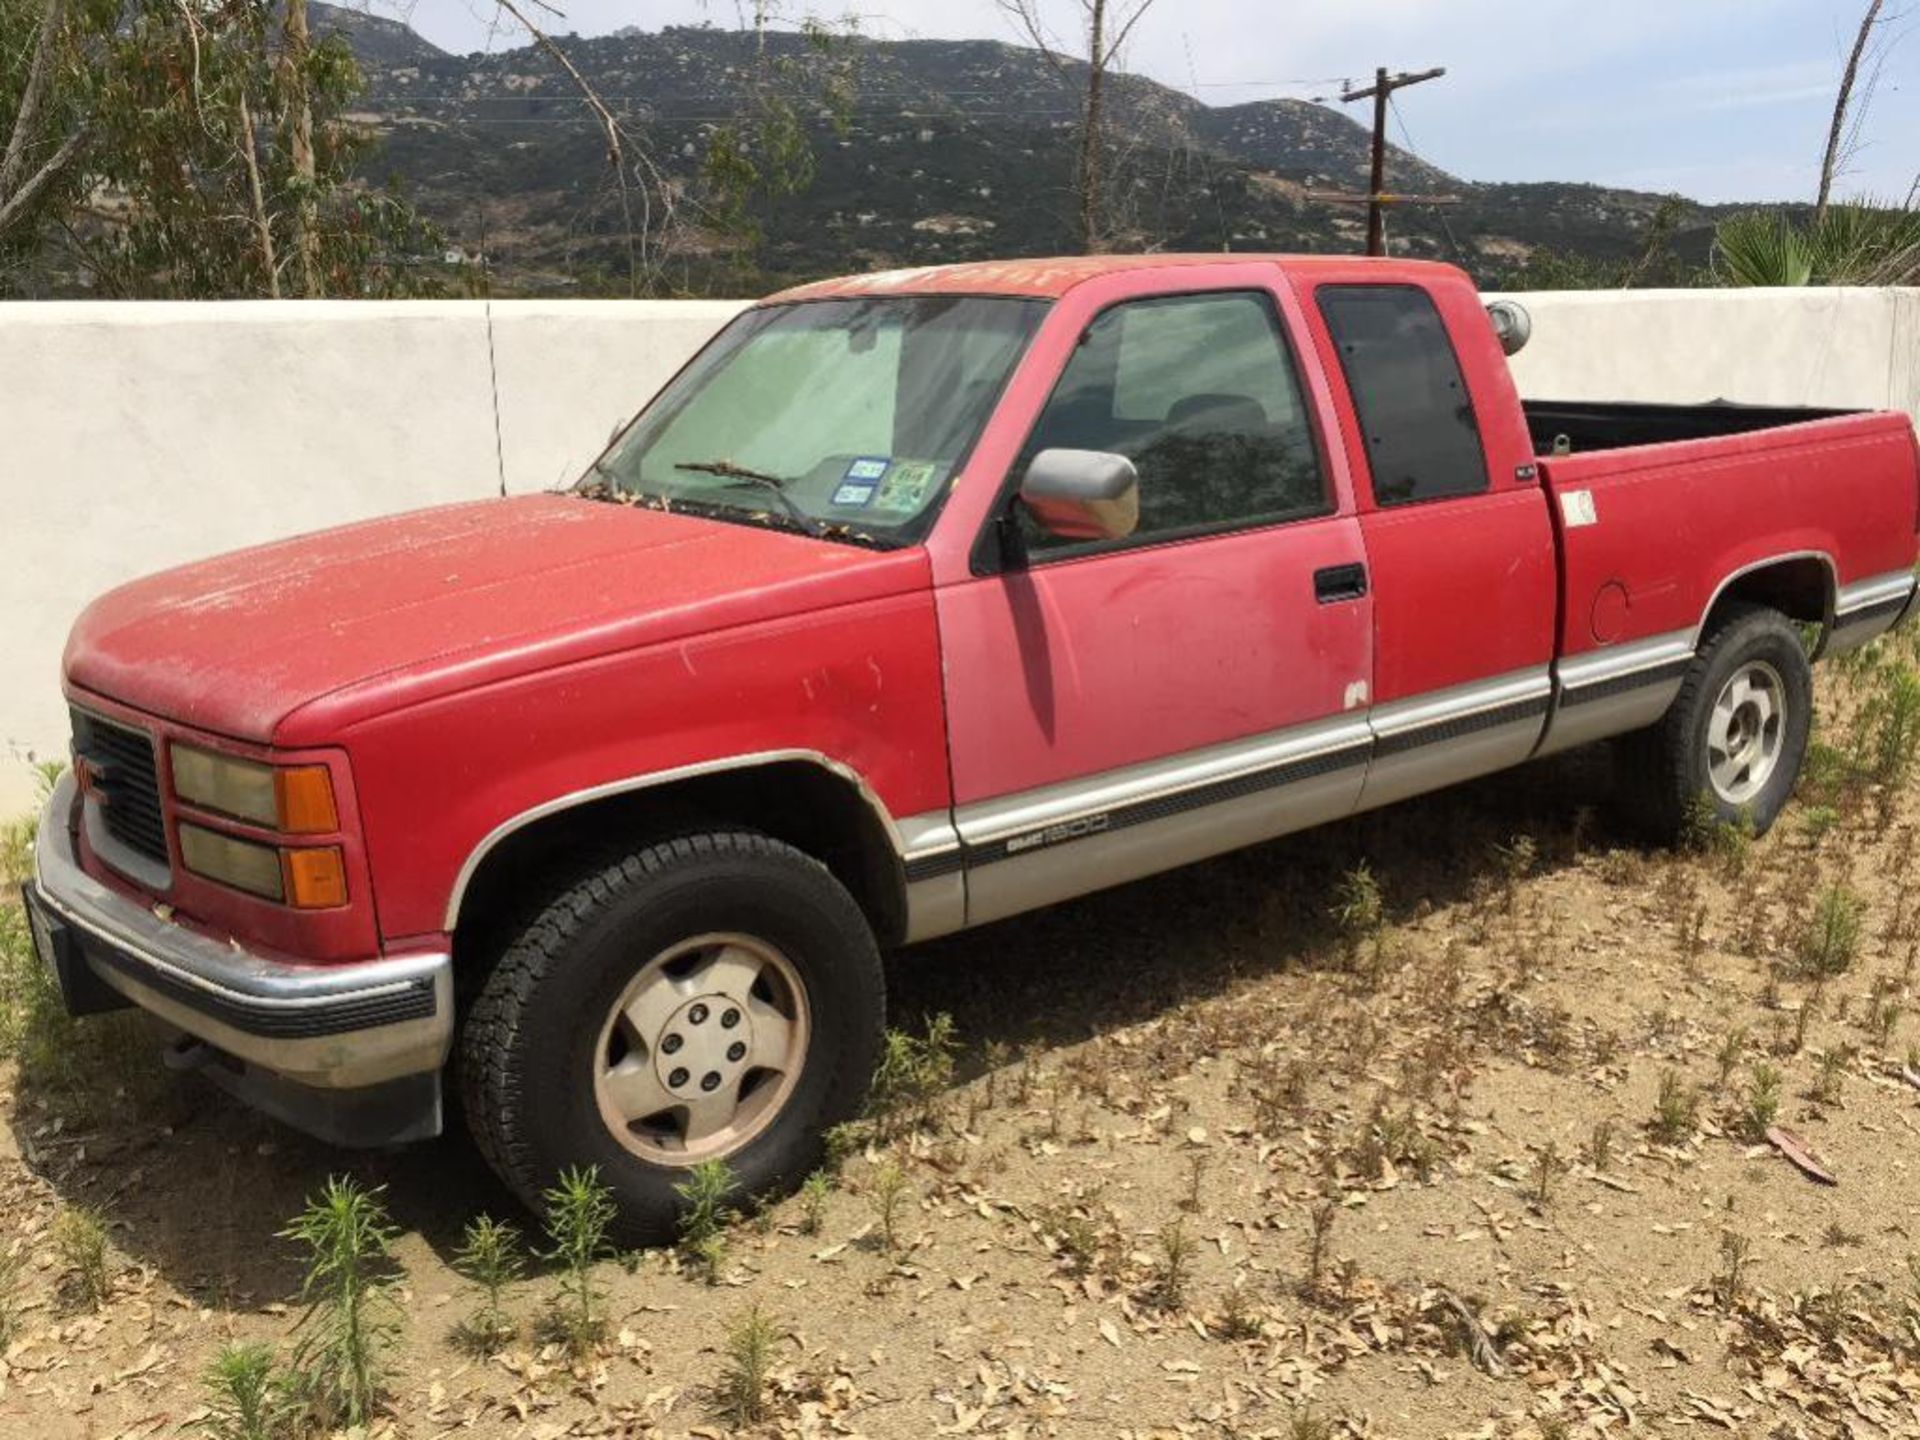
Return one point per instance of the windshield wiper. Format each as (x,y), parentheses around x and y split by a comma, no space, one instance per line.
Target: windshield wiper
(774,484)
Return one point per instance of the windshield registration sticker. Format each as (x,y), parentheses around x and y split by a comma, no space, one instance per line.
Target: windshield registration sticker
(905,488)
(861,480)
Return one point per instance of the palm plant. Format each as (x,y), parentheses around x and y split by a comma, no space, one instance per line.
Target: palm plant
(1855,244)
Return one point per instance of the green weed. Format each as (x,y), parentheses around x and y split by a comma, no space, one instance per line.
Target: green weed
(914,1071)
(814,1193)
(352,1320)
(247,1397)
(1763,1101)
(80,1238)
(490,1258)
(705,1216)
(1830,942)
(741,1395)
(1169,1290)
(578,1210)
(890,1191)
(1358,909)
(10,1301)
(1676,1110)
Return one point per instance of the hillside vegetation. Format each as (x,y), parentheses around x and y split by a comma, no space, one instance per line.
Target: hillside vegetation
(942,150)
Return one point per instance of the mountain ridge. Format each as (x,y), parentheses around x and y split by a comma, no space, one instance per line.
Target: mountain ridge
(947,150)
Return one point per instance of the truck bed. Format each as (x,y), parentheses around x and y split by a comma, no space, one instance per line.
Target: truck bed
(1589,425)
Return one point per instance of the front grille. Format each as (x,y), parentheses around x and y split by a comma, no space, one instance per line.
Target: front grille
(124,782)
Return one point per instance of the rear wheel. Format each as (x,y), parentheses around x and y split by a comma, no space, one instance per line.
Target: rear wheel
(713,997)
(1733,740)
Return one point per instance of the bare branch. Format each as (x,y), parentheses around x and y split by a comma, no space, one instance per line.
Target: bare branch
(616,147)
(1026,14)
(14,206)
(1126,29)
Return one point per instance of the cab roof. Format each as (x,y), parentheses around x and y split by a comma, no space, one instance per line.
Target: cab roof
(1050,278)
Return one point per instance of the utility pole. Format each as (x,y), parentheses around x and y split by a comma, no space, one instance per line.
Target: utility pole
(1377,197)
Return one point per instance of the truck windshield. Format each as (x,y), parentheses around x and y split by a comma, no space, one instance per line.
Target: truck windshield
(843,418)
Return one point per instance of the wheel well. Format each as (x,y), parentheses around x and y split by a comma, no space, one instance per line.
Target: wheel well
(803,804)
(1800,588)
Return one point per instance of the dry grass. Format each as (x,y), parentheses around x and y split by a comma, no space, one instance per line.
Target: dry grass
(1449,1121)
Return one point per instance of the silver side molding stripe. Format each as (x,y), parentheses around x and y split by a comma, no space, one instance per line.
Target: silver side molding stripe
(1618,668)
(1886,593)
(1008,827)
(998,829)
(1867,609)
(1461,711)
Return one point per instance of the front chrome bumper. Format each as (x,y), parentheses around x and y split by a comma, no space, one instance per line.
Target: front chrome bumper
(339,1027)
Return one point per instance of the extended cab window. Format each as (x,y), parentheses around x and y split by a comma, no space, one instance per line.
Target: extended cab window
(1423,442)
(1201,393)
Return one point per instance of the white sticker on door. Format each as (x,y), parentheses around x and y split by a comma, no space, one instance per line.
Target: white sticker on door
(1576,508)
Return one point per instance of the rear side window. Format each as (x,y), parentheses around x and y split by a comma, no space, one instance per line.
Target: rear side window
(1201,393)
(1423,442)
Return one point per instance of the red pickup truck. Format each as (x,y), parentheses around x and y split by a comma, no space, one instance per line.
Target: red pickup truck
(914,601)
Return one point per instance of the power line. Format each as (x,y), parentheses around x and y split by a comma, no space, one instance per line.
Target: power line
(1406,136)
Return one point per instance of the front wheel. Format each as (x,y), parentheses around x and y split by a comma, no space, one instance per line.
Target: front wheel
(713,997)
(1734,738)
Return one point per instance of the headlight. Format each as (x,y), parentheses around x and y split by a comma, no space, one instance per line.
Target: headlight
(308,879)
(239,863)
(296,800)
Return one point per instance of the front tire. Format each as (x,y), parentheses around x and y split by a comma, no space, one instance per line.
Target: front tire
(1733,740)
(713,997)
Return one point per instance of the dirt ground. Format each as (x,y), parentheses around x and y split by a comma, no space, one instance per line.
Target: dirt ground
(1524,1115)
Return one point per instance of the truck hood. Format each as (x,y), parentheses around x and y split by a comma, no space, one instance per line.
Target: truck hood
(378,615)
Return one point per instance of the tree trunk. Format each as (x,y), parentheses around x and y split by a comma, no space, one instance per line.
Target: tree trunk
(299,114)
(1836,135)
(263,228)
(20,185)
(1092,127)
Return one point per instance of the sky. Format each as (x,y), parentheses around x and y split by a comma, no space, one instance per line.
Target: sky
(1716,99)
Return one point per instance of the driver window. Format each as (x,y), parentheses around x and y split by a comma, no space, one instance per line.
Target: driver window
(1201,393)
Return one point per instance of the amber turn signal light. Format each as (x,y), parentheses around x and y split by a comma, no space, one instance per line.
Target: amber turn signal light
(315,879)
(305,800)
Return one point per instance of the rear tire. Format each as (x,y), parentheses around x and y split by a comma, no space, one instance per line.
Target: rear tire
(1735,736)
(729,964)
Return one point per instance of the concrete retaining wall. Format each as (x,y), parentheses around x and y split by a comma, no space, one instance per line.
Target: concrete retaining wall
(138,436)
(1844,348)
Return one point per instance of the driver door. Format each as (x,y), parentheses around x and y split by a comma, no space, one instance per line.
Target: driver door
(1120,707)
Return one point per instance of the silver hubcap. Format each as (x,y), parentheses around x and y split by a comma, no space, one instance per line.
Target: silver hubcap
(1746,732)
(701,1049)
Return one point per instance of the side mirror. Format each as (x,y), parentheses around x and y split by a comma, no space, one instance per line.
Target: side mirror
(1082,494)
